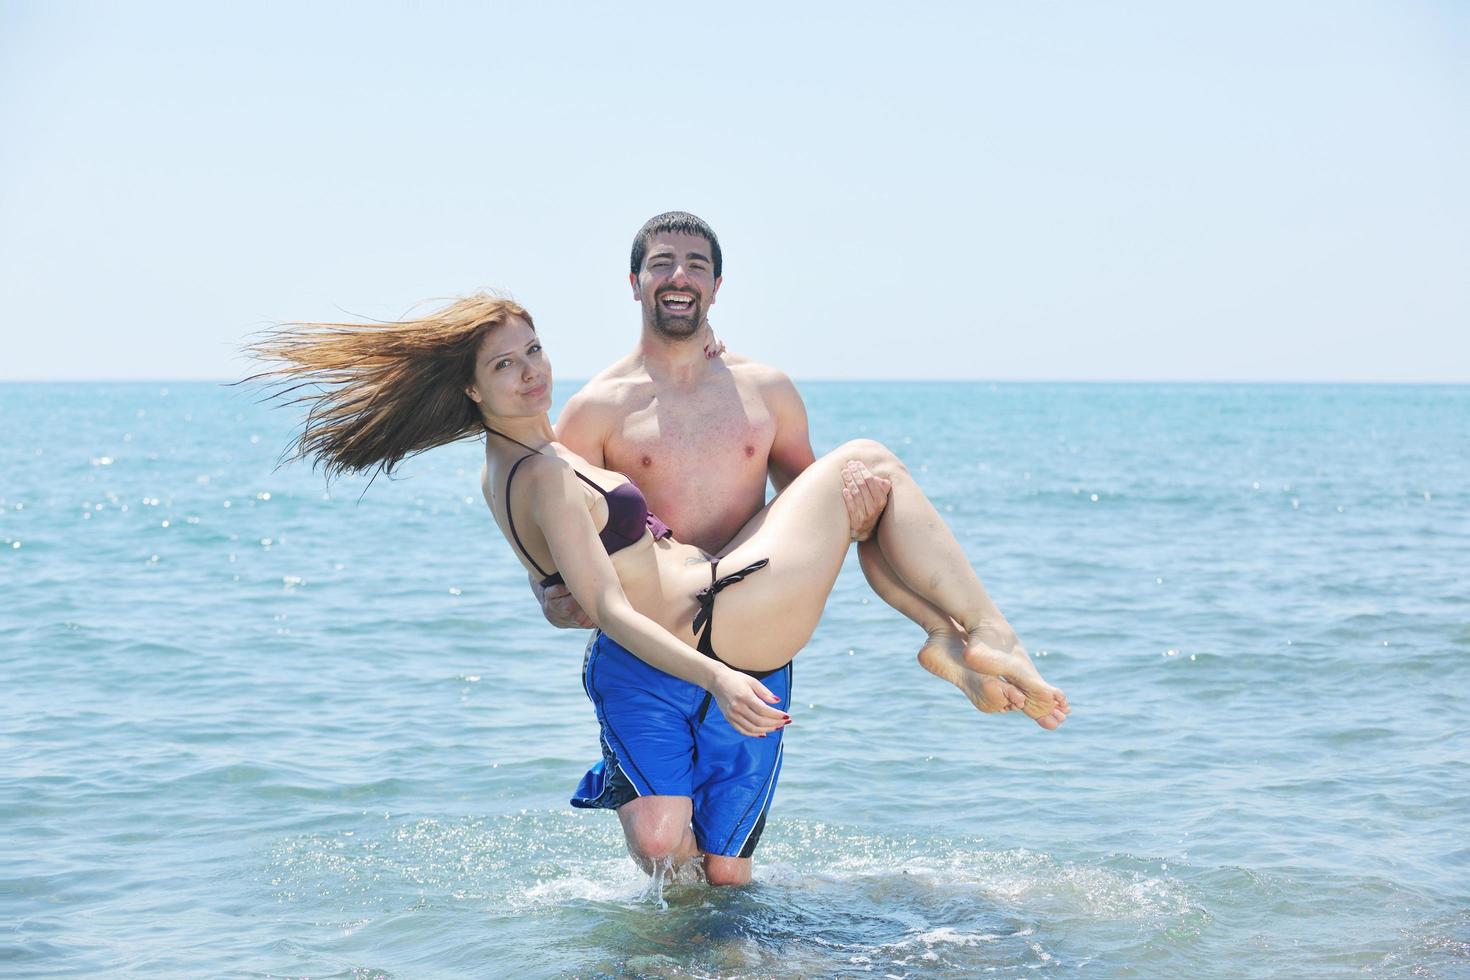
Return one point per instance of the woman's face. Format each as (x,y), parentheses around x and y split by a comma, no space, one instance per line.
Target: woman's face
(512,375)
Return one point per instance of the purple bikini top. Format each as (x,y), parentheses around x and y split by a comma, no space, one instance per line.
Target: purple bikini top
(627,519)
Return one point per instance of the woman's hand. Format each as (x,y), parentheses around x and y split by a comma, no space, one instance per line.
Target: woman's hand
(746,704)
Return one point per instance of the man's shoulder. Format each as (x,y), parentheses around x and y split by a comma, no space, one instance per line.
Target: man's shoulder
(611,386)
(769,380)
(751,370)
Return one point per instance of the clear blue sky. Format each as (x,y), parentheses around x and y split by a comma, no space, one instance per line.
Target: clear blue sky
(1236,191)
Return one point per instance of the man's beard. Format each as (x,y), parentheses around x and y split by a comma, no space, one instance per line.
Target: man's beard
(677,326)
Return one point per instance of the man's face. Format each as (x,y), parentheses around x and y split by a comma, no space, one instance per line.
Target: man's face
(677,283)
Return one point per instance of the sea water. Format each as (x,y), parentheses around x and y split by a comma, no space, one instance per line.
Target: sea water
(254,725)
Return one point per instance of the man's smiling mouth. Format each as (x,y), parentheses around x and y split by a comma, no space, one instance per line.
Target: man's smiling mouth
(677,302)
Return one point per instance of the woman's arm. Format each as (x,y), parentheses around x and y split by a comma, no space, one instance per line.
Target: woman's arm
(559,509)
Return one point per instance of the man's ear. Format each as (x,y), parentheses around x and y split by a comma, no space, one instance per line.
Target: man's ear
(633,281)
(716,291)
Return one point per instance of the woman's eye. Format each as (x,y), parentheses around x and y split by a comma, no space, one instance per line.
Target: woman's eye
(534,349)
(502,364)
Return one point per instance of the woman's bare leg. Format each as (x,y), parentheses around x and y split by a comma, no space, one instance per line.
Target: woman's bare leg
(924,555)
(804,533)
(943,653)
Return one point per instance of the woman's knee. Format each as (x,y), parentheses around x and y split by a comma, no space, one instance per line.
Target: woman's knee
(878,457)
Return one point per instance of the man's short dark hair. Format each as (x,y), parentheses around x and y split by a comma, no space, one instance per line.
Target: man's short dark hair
(681,221)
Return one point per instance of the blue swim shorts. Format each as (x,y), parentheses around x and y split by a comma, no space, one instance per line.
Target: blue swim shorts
(662,736)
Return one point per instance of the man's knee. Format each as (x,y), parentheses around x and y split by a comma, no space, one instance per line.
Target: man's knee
(656,842)
(657,827)
(726,871)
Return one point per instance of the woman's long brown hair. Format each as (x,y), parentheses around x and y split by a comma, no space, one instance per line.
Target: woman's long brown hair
(381,392)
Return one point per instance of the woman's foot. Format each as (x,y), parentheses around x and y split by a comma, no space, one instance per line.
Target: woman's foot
(943,655)
(986,653)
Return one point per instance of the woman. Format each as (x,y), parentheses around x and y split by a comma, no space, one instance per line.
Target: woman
(387,391)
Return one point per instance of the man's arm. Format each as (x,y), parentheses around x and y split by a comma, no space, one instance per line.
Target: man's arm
(791,449)
(791,452)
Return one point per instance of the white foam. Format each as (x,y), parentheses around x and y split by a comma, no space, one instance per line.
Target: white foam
(1014,876)
(613,880)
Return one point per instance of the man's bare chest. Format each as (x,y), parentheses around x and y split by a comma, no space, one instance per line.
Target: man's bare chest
(692,437)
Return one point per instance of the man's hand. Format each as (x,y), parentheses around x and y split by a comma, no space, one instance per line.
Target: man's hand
(865,495)
(560,609)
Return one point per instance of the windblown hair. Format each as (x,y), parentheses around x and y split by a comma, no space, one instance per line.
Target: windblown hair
(681,221)
(381,392)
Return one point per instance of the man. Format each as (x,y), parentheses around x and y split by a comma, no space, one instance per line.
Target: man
(700,431)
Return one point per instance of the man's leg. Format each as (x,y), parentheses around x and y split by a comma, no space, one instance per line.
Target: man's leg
(647,753)
(734,782)
(726,870)
(658,832)
(656,732)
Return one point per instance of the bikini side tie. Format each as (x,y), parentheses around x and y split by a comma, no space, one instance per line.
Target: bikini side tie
(706,596)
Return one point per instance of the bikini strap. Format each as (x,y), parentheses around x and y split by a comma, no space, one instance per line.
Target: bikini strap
(589,482)
(514,440)
(509,519)
(538,452)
